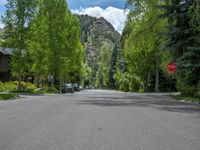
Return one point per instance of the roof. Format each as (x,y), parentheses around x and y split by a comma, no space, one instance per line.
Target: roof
(6,51)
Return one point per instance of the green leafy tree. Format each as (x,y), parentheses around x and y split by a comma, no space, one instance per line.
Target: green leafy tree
(142,41)
(64,41)
(38,45)
(19,14)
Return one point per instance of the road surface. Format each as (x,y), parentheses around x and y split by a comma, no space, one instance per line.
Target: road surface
(99,120)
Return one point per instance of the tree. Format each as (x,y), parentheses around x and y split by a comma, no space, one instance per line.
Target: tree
(38,45)
(64,41)
(104,64)
(18,15)
(142,41)
(183,42)
(112,67)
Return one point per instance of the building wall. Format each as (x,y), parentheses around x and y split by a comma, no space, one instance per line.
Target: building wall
(4,68)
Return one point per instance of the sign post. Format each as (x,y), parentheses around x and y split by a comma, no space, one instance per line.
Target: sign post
(171,68)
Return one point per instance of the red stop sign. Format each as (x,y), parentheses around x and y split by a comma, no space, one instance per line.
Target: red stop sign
(171,67)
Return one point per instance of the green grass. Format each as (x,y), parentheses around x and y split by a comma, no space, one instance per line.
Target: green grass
(7,96)
(186,98)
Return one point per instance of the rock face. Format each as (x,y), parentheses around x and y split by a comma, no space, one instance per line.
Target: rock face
(94,32)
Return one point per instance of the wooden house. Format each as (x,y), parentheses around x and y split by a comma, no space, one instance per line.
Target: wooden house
(5,54)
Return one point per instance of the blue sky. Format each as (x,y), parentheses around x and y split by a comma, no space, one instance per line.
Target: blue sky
(112,10)
(75,4)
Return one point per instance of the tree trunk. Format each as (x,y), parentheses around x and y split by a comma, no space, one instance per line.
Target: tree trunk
(52,82)
(157,66)
(20,71)
(146,88)
(157,80)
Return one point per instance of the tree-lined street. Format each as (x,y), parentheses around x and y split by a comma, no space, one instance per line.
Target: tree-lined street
(99,120)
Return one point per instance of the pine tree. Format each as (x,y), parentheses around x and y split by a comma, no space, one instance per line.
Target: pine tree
(183,40)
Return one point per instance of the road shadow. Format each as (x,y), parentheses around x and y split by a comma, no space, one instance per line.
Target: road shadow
(164,103)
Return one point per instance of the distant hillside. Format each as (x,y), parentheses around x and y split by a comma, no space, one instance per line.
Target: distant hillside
(95,31)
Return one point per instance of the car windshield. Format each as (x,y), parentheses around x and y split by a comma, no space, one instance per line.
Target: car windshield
(68,85)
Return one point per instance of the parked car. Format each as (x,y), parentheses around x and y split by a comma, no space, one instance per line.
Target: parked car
(68,87)
(76,87)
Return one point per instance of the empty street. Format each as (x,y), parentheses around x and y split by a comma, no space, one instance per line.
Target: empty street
(99,120)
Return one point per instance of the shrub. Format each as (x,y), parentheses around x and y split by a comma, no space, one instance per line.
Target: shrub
(7,96)
(45,90)
(1,86)
(197,94)
(134,84)
(186,90)
(12,86)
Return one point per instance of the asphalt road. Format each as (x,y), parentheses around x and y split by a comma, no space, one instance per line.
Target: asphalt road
(99,120)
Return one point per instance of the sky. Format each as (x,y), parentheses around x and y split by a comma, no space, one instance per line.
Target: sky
(111,10)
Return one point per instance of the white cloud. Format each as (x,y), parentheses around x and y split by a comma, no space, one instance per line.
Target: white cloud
(115,16)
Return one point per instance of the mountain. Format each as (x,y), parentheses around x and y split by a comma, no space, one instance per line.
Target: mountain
(95,32)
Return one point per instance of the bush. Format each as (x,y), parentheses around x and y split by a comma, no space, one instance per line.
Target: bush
(134,84)
(8,86)
(127,82)
(1,86)
(122,82)
(45,90)
(12,86)
(186,90)
(7,96)
(197,94)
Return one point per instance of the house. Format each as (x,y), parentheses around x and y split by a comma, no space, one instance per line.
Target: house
(5,54)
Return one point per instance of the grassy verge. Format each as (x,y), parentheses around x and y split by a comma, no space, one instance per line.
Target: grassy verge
(186,98)
(7,96)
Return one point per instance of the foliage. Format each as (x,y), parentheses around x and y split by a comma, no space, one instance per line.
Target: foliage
(186,90)
(186,98)
(12,86)
(127,82)
(103,74)
(142,40)
(99,39)
(18,15)
(122,82)
(45,37)
(183,42)
(197,94)
(6,96)
(45,90)
(112,67)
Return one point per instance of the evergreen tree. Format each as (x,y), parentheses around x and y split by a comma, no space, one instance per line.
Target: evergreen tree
(183,41)
(112,67)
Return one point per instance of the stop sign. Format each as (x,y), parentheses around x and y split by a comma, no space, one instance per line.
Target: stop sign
(171,67)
